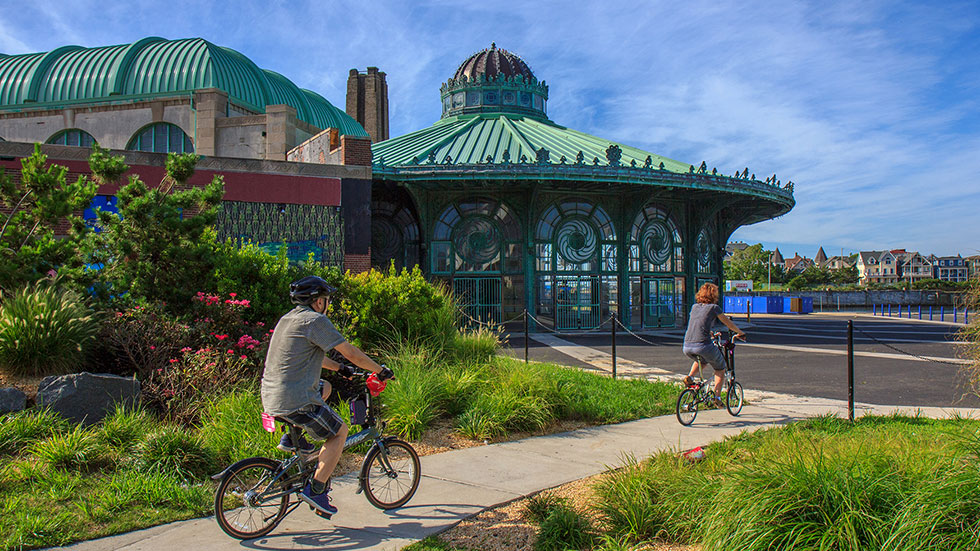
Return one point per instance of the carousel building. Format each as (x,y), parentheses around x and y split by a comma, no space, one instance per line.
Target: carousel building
(514,211)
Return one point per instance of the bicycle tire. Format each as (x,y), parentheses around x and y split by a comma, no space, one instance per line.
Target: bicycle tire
(687,406)
(734,398)
(391,489)
(229,500)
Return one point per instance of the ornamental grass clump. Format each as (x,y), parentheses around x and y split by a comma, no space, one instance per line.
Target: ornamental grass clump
(44,330)
(21,429)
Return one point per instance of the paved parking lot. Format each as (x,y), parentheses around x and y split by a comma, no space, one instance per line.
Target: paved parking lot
(897,361)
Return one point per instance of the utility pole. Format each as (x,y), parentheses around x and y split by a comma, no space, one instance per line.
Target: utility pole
(769,284)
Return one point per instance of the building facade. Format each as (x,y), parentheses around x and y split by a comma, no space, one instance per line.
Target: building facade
(158,96)
(515,212)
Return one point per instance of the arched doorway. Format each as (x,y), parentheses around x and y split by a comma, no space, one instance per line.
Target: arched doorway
(575,262)
(656,269)
(476,248)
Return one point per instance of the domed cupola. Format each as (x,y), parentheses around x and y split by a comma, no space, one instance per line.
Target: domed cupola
(494,81)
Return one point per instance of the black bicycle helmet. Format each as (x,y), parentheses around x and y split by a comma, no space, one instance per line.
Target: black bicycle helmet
(308,289)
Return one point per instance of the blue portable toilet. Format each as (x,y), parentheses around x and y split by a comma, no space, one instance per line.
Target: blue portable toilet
(736,305)
(767,305)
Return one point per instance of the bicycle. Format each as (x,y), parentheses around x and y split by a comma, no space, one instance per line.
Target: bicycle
(701,392)
(253,495)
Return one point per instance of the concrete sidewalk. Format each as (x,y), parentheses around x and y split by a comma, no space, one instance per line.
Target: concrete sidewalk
(461,483)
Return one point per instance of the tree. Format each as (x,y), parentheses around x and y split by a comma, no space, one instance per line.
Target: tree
(153,248)
(751,262)
(37,202)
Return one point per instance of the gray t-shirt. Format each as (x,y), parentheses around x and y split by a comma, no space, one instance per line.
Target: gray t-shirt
(702,317)
(292,365)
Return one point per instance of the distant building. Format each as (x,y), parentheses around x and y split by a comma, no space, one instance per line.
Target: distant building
(950,268)
(838,262)
(821,258)
(914,267)
(798,263)
(877,267)
(972,266)
(777,258)
(733,247)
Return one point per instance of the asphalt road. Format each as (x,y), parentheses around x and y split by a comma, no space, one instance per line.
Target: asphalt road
(897,362)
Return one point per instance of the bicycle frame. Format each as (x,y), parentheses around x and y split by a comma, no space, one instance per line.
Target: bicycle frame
(370,431)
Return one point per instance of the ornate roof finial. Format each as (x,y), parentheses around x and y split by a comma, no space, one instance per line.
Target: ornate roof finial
(493,45)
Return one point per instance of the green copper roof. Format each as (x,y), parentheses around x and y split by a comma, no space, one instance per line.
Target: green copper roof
(155,66)
(510,148)
(471,139)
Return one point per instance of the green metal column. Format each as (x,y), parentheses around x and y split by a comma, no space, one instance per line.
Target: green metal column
(530,277)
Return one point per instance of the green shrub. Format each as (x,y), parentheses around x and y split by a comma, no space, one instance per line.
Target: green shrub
(74,449)
(44,330)
(539,506)
(381,309)
(182,390)
(126,426)
(231,428)
(263,278)
(173,451)
(564,528)
(23,428)
(140,340)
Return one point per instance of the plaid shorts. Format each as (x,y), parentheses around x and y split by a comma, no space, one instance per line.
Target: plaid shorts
(320,422)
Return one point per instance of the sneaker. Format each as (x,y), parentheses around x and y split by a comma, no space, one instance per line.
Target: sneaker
(286,444)
(319,502)
(688,381)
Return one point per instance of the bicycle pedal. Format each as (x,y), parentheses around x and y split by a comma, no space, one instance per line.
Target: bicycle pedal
(321,514)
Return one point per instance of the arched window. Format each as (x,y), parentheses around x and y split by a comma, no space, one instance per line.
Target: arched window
(72,136)
(161,137)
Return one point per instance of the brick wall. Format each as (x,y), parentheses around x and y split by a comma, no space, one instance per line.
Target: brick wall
(357,263)
(357,151)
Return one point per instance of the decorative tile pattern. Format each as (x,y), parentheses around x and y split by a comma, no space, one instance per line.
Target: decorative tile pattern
(303,228)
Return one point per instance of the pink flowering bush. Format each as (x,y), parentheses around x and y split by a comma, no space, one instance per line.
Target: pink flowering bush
(181,390)
(138,341)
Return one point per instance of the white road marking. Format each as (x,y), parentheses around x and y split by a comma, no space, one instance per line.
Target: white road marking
(835,352)
(857,337)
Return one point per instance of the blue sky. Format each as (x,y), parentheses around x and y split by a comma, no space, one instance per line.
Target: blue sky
(871,108)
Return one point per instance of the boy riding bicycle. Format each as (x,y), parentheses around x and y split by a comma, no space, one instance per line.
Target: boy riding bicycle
(697,340)
(291,385)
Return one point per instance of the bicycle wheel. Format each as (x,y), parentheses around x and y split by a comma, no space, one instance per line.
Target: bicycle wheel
(734,398)
(237,507)
(687,406)
(388,488)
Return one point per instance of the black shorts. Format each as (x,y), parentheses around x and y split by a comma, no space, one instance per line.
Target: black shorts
(320,422)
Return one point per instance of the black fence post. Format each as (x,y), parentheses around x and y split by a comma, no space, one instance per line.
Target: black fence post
(850,370)
(525,335)
(612,319)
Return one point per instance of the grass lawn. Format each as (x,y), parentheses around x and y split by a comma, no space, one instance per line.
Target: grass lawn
(883,483)
(60,484)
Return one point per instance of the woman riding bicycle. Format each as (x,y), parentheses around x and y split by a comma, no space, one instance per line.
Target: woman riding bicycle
(697,340)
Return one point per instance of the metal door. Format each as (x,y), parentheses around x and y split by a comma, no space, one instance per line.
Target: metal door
(479,298)
(658,302)
(577,302)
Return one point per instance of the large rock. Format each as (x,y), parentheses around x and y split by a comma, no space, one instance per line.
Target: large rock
(12,399)
(87,397)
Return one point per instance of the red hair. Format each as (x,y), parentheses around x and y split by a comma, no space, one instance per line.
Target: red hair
(708,294)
